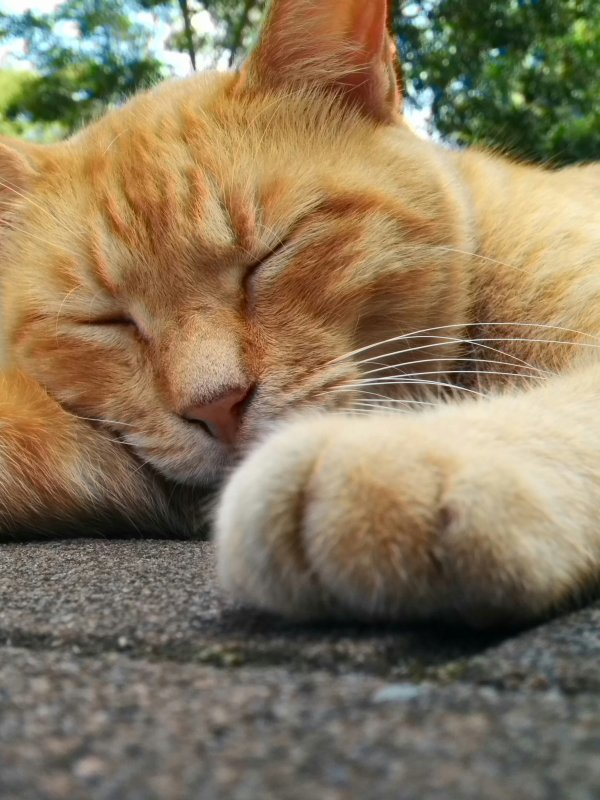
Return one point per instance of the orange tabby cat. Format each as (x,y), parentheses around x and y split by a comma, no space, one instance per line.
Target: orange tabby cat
(231,250)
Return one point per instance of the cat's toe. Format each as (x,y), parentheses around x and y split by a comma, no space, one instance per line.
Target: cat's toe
(366,520)
(260,525)
(314,525)
(318,523)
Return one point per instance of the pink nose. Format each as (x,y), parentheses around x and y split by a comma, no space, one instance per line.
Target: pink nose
(221,416)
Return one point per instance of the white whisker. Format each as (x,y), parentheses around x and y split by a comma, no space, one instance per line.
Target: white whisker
(106,421)
(46,242)
(357,412)
(377,408)
(444,341)
(114,139)
(383,402)
(28,198)
(479,343)
(60,308)
(45,211)
(482,258)
(410,382)
(454,360)
(419,333)
(342,390)
(403,378)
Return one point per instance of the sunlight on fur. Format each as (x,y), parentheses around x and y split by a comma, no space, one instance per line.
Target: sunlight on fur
(387,352)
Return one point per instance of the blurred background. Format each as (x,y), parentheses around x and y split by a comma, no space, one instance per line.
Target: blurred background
(522,76)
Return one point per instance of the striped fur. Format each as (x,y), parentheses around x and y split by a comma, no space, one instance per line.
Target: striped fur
(255,229)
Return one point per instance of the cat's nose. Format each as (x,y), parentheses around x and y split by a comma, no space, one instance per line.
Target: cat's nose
(222,415)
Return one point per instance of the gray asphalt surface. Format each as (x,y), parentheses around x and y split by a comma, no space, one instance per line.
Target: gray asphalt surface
(125,675)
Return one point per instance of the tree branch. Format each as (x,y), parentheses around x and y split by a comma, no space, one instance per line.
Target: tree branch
(188,32)
(237,36)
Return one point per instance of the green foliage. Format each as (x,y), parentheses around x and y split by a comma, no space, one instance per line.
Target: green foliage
(235,25)
(13,84)
(522,76)
(239,22)
(87,54)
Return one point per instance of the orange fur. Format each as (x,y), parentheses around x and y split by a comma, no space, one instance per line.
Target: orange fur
(239,235)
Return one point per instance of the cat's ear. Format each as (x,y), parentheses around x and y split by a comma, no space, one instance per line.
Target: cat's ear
(17,173)
(339,45)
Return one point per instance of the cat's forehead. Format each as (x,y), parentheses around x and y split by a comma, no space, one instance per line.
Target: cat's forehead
(161,109)
(190,166)
(207,121)
(192,177)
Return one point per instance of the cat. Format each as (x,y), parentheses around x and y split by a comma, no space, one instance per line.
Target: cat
(387,351)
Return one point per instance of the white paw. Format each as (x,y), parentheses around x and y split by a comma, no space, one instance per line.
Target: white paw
(313,524)
(386,518)
(261,522)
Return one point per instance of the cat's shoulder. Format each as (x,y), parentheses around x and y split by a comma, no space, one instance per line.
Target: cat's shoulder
(588,175)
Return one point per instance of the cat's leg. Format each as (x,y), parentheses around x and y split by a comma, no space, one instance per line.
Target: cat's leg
(59,474)
(486,512)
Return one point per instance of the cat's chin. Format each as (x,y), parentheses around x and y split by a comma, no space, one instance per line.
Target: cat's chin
(195,471)
(209,468)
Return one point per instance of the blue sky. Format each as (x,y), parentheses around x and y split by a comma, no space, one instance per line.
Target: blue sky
(12,55)
(16,6)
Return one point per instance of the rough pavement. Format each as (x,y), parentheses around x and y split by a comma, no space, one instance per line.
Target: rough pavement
(124,675)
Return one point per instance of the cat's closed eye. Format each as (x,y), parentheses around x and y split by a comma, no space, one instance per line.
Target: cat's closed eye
(122,321)
(115,319)
(257,268)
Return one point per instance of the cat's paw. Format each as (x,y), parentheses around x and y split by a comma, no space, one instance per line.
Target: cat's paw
(385,518)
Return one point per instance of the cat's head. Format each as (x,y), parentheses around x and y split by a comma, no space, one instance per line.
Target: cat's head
(198,263)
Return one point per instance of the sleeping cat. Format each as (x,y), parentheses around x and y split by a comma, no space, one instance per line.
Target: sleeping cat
(394,348)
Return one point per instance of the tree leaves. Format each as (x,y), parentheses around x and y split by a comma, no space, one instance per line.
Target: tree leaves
(522,76)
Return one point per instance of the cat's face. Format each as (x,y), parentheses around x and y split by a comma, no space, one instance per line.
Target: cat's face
(194,266)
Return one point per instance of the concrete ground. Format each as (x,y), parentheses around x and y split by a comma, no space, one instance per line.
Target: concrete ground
(124,675)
